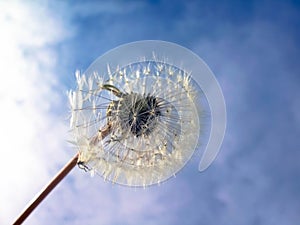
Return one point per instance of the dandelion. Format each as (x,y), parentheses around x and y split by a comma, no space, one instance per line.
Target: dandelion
(136,122)
(136,118)
(137,115)
(137,125)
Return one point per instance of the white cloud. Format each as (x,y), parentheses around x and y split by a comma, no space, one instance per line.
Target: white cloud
(31,137)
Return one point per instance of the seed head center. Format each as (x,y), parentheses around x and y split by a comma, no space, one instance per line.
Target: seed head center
(136,113)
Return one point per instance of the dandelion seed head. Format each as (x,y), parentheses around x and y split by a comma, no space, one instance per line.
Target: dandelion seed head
(137,122)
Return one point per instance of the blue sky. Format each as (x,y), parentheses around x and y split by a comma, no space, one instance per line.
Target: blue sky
(251,46)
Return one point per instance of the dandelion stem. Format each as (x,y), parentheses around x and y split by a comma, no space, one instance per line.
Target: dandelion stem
(47,189)
(55,181)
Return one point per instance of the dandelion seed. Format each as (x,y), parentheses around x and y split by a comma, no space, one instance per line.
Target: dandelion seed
(148,111)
